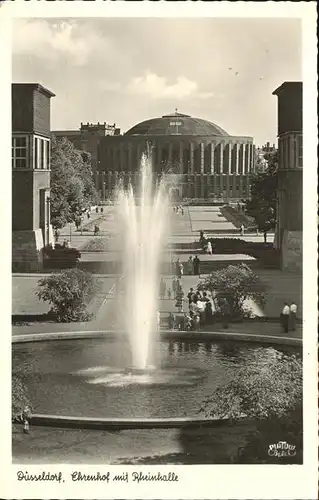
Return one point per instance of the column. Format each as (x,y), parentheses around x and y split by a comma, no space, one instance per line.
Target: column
(229,157)
(202,157)
(244,158)
(248,158)
(192,158)
(237,158)
(221,159)
(97,181)
(212,158)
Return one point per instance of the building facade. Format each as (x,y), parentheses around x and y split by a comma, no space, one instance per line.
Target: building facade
(199,158)
(87,138)
(289,209)
(31,229)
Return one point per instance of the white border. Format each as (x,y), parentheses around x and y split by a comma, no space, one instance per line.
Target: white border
(196,482)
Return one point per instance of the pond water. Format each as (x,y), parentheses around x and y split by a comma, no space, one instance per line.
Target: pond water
(87,377)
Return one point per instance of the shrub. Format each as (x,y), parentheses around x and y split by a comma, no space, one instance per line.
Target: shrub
(69,294)
(236,284)
(20,398)
(61,257)
(268,390)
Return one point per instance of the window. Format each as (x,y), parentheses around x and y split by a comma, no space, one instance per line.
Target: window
(41,156)
(19,152)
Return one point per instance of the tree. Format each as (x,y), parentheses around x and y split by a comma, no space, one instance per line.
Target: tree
(263,202)
(72,187)
(259,390)
(236,284)
(69,293)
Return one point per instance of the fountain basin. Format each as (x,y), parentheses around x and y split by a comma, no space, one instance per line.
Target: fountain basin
(86,379)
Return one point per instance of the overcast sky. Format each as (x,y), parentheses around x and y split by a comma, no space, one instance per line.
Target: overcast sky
(129,70)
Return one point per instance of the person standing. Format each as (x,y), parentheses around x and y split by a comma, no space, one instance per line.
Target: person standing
(196,266)
(209,248)
(169,294)
(174,287)
(285,314)
(181,270)
(178,268)
(190,265)
(293,316)
(265,236)
(242,230)
(190,296)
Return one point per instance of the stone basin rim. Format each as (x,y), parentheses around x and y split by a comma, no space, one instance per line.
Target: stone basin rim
(198,336)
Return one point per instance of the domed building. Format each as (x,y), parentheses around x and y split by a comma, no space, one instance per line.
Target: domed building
(198,158)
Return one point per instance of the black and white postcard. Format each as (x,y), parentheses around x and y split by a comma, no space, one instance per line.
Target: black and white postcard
(159,223)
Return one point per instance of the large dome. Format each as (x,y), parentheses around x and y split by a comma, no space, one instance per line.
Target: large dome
(176,124)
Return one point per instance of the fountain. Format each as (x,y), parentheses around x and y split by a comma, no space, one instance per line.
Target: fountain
(143,220)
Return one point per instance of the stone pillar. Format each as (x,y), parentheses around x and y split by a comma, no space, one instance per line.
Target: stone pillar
(191,158)
(229,158)
(248,158)
(202,157)
(237,159)
(203,183)
(241,181)
(97,180)
(221,159)
(244,158)
(212,158)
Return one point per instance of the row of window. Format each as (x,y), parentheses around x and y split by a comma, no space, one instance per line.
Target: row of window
(35,157)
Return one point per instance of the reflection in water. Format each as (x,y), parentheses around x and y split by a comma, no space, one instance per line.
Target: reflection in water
(87,378)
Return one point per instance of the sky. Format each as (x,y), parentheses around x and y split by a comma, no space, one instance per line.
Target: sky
(128,70)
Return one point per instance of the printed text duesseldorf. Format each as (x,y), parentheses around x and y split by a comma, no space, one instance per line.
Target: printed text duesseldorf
(106,477)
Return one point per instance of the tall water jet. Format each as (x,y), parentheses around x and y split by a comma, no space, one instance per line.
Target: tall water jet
(143,219)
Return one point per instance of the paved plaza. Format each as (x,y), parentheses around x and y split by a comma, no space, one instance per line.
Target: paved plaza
(281,286)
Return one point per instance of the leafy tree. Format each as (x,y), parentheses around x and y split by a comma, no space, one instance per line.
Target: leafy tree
(69,293)
(263,202)
(236,284)
(72,187)
(271,389)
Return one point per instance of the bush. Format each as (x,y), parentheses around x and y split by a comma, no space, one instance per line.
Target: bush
(69,293)
(61,257)
(269,390)
(236,284)
(95,245)
(20,398)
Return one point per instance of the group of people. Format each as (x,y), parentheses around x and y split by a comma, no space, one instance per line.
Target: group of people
(178,209)
(288,317)
(192,267)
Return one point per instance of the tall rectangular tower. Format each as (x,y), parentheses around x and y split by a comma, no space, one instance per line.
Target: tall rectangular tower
(30,174)
(289,204)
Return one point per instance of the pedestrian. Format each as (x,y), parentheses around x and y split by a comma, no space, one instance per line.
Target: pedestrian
(169,294)
(174,287)
(190,296)
(196,266)
(56,234)
(265,236)
(242,230)
(293,315)
(208,313)
(182,210)
(97,210)
(285,314)
(26,426)
(181,270)
(190,265)
(88,215)
(171,321)
(225,312)
(102,210)
(96,230)
(209,248)
(179,299)
(196,319)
